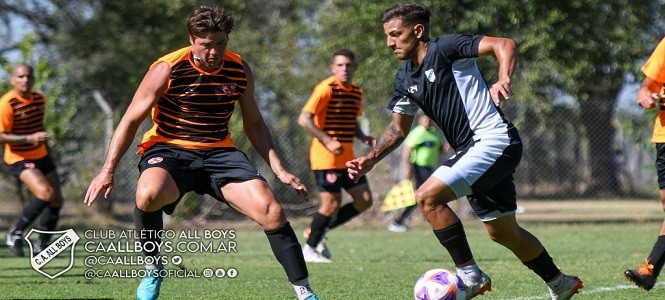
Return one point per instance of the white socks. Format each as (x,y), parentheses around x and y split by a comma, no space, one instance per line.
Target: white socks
(302,289)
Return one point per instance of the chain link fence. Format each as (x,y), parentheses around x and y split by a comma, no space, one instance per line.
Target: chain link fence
(555,166)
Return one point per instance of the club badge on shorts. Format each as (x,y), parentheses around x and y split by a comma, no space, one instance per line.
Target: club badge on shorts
(331,177)
(155,160)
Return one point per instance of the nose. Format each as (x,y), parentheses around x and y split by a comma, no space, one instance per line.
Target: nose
(390,41)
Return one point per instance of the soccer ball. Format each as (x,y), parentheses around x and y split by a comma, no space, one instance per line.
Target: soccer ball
(439,284)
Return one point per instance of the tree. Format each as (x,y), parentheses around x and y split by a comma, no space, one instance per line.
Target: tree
(579,48)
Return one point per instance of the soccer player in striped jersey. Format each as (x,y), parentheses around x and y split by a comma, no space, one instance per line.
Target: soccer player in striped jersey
(22,130)
(191,94)
(650,95)
(330,116)
(441,77)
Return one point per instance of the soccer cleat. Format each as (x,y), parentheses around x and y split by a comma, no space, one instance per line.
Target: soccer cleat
(313,297)
(15,244)
(322,248)
(569,286)
(399,228)
(484,284)
(643,276)
(149,287)
(312,256)
(38,247)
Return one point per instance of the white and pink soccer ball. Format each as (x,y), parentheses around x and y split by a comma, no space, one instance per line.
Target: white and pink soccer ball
(439,284)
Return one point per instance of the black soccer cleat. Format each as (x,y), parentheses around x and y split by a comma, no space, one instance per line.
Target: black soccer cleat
(15,244)
(643,276)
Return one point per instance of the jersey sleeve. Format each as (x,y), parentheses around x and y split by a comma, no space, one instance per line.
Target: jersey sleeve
(459,46)
(654,67)
(6,117)
(318,101)
(400,102)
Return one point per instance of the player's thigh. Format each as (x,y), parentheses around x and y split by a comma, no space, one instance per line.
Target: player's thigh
(254,199)
(155,189)
(35,181)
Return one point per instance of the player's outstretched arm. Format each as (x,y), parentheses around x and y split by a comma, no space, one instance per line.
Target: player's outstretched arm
(259,135)
(391,138)
(150,89)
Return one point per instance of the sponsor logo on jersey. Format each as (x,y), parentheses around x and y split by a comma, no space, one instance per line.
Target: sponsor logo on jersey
(228,89)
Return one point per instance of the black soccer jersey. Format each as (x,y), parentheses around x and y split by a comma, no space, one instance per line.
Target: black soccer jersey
(449,87)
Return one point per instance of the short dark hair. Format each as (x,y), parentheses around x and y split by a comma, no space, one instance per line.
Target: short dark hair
(207,19)
(23,65)
(409,13)
(345,52)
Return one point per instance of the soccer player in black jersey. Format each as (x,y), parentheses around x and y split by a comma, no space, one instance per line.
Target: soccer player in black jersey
(440,76)
(191,94)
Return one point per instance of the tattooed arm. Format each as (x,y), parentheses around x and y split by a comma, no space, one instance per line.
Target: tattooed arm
(391,138)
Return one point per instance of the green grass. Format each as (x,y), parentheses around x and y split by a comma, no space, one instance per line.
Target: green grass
(369,263)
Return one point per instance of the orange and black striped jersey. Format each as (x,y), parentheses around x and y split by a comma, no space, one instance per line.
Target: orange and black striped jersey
(195,109)
(22,116)
(335,108)
(654,68)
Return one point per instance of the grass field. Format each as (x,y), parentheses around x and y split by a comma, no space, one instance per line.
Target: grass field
(369,263)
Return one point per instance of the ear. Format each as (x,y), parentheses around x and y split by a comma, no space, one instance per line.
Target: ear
(419,30)
(191,39)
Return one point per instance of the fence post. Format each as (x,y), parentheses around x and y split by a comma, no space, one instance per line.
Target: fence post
(105,207)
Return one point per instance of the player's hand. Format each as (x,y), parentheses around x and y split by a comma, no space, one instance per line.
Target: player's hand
(102,182)
(501,91)
(334,146)
(646,98)
(359,167)
(294,182)
(37,138)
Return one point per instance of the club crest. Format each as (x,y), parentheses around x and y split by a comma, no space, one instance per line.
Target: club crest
(61,247)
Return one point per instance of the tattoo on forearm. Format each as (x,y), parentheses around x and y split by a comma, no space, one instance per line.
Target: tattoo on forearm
(390,140)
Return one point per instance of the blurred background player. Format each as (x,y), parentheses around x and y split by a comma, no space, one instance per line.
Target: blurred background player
(330,116)
(441,77)
(26,153)
(650,95)
(420,155)
(192,93)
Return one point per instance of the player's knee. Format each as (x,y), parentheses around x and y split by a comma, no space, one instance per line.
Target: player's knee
(363,204)
(329,208)
(273,216)
(45,192)
(425,200)
(147,198)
